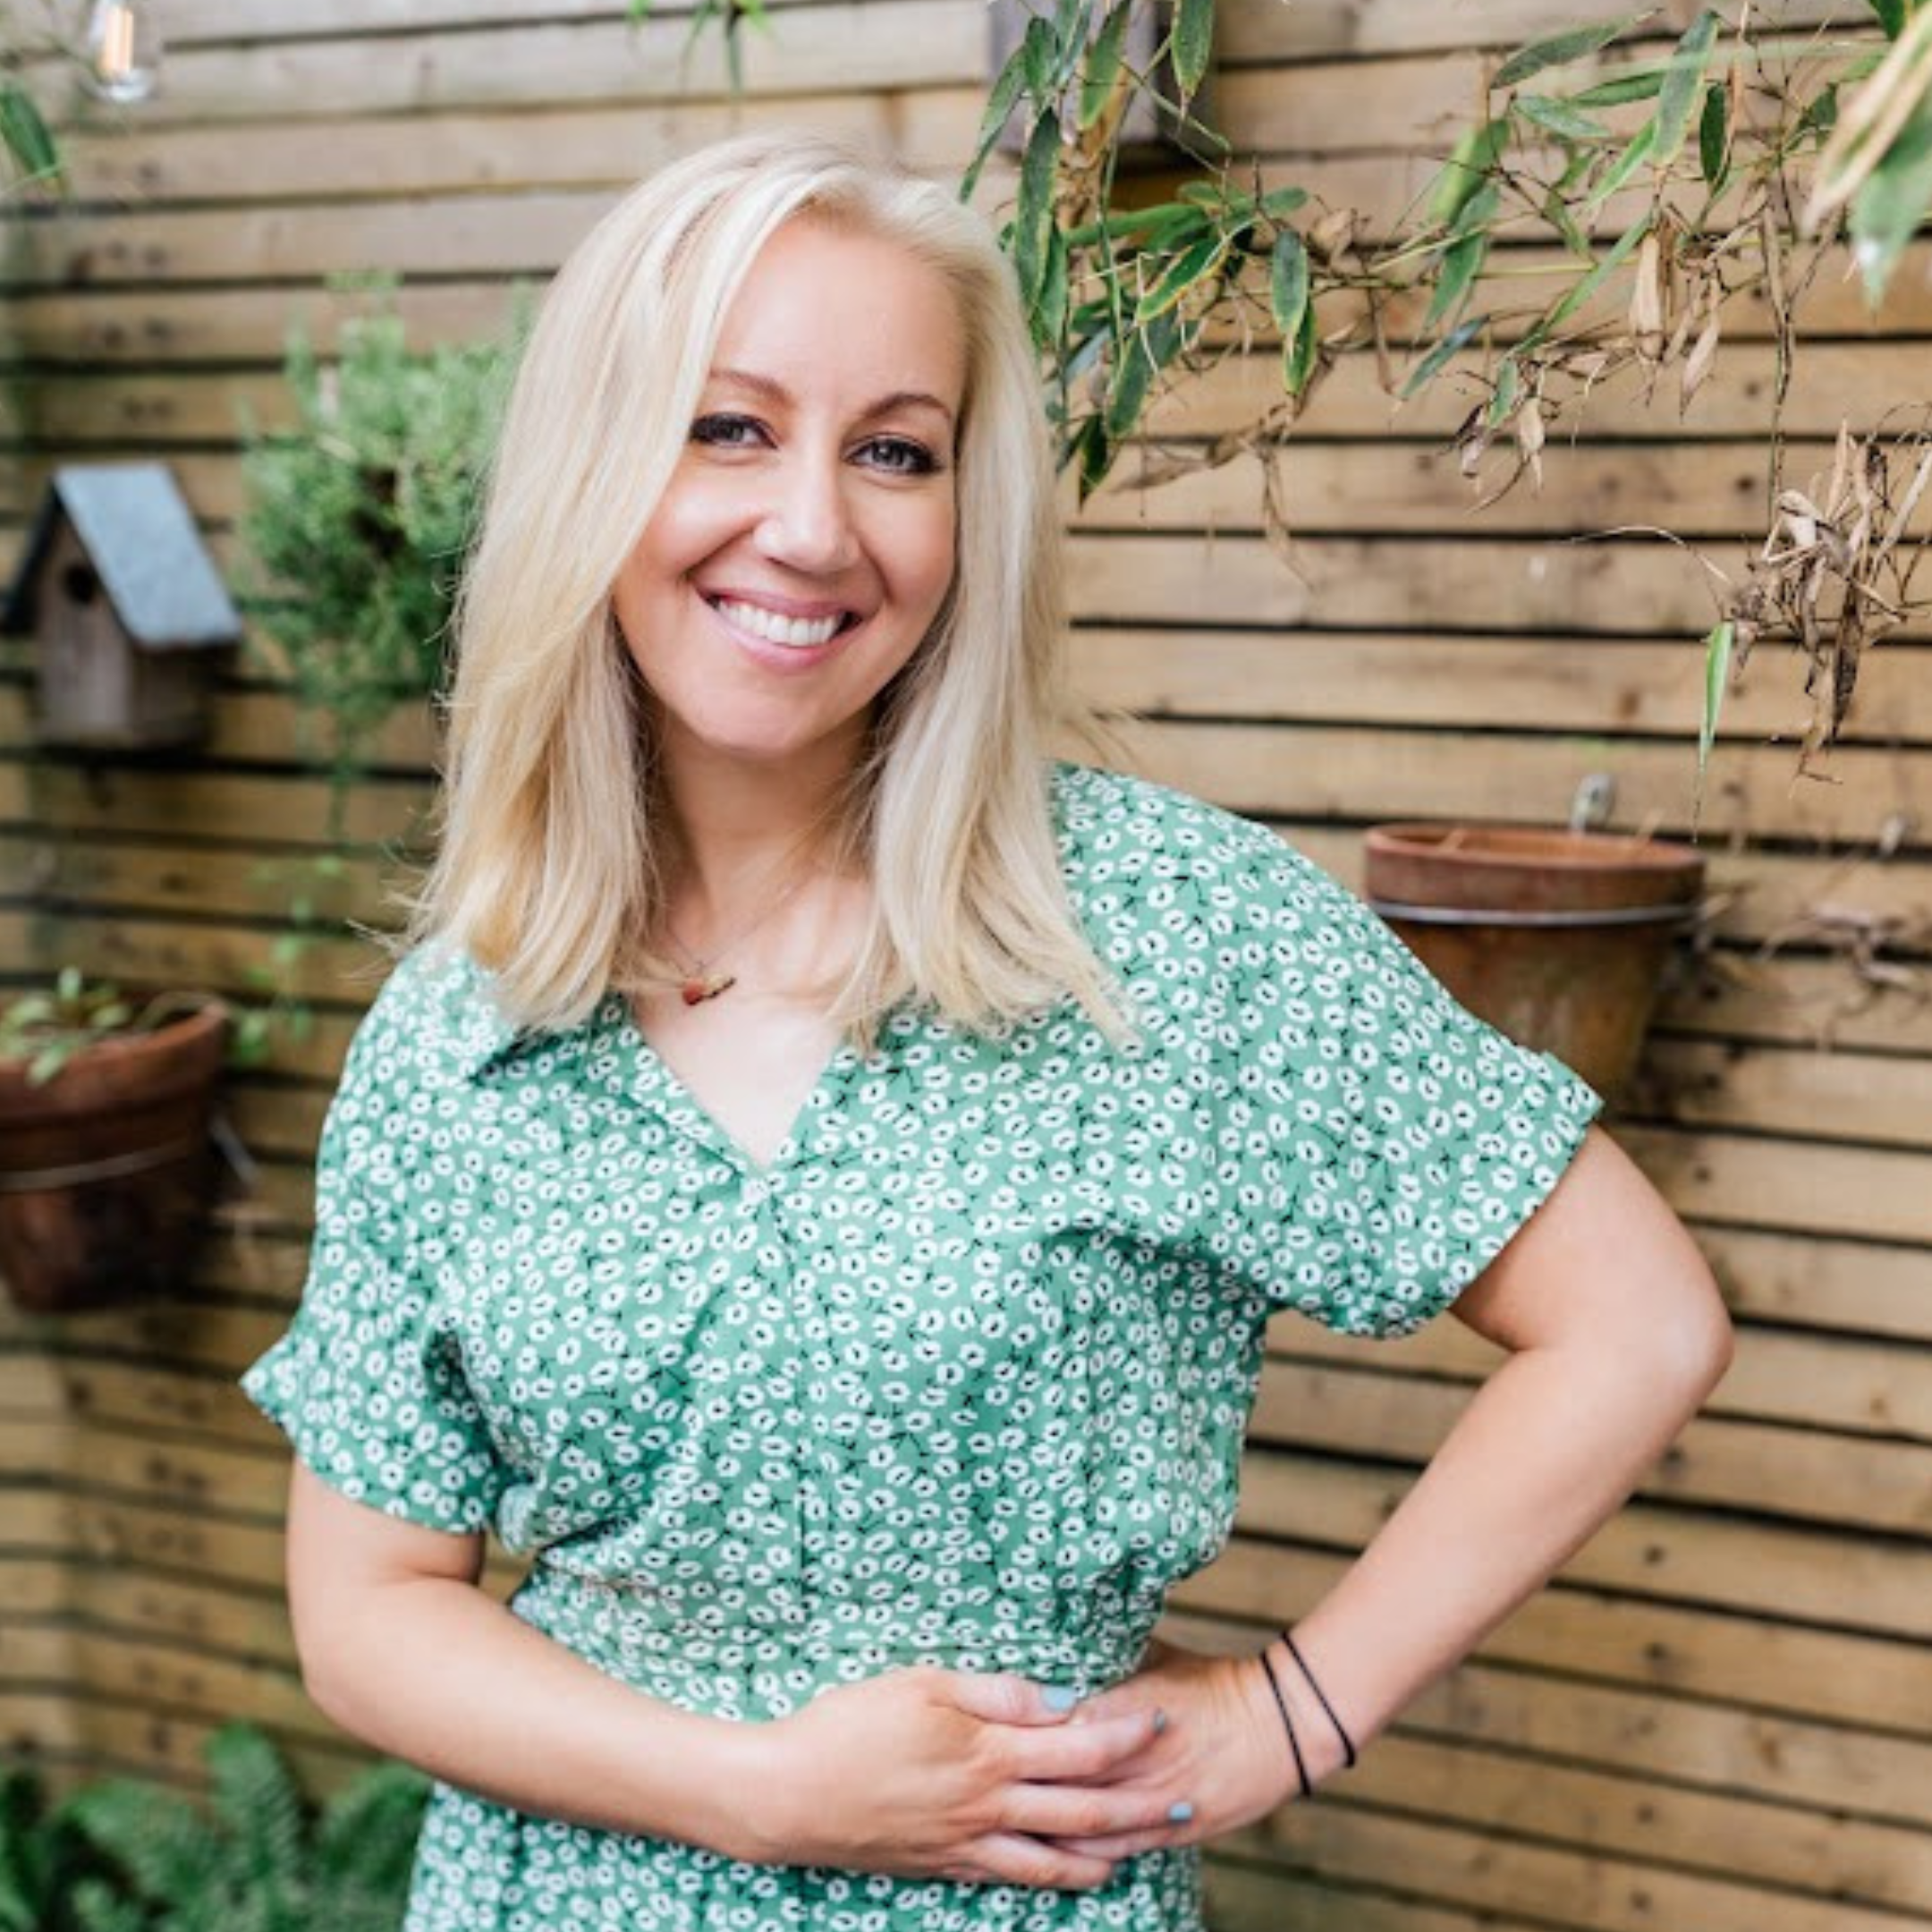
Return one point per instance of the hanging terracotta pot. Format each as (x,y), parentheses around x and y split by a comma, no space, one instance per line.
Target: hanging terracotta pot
(108,1169)
(1558,939)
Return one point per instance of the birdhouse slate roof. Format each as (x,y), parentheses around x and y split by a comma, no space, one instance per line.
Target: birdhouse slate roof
(141,538)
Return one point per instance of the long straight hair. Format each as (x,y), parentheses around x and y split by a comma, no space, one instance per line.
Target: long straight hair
(550,872)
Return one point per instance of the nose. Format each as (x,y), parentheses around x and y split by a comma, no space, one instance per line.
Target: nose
(805,521)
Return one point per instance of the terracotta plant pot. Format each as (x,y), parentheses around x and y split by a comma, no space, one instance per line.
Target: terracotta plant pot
(107,1171)
(1556,938)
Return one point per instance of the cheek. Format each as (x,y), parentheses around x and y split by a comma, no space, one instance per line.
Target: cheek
(928,554)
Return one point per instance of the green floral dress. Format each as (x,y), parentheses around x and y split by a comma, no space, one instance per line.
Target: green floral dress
(961,1378)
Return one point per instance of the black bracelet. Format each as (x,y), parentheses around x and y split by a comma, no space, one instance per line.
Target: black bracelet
(1294,1743)
(1321,1698)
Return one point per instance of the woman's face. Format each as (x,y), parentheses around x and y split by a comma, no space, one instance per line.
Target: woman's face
(805,544)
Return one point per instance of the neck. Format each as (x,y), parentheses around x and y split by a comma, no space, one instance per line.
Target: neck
(735,822)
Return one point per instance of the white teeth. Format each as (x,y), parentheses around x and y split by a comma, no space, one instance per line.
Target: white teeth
(796,633)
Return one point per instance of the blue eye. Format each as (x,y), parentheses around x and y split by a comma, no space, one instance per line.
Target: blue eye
(899,456)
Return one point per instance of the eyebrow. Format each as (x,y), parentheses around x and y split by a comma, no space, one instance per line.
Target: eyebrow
(776,392)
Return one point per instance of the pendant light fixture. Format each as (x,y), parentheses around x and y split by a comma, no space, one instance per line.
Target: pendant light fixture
(123,51)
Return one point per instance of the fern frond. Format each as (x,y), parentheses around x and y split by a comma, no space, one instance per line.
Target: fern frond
(158,1838)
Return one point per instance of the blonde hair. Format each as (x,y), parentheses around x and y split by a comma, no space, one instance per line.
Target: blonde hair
(539,877)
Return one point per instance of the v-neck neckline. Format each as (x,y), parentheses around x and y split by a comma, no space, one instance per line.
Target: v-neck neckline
(691,1115)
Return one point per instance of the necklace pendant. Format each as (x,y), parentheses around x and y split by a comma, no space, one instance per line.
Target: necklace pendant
(703,986)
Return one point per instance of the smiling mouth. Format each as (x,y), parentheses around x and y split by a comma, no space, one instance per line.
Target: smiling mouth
(771,627)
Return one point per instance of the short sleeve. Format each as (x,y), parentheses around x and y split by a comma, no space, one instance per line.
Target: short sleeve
(367,1385)
(1383,1143)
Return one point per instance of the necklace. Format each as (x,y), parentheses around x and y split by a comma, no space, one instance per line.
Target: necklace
(702,979)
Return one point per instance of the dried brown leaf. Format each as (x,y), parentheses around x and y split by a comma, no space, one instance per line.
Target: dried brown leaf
(1647,300)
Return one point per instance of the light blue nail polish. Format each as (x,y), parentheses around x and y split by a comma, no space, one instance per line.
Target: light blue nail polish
(1180,1811)
(1059,1697)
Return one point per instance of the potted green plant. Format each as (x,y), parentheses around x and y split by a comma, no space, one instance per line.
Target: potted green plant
(357,519)
(107,1161)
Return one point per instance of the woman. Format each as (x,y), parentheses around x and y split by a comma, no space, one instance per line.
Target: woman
(820,1185)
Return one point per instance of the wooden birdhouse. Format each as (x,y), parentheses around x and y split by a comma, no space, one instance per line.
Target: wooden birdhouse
(130,619)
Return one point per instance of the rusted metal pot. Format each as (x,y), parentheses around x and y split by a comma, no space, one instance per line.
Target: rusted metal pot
(1558,939)
(107,1171)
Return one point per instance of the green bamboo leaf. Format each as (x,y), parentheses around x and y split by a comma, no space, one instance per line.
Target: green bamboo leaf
(1460,268)
(1508,386)
(26,136)
(1557,213)
(1095,455)
(1193,44)
(1559,50)
(1559,118)
(1300,358)
(1477,212)
(1214,196)
(1677,97)
(1717,649)
(1625,165)
(1433,364)
(1641,83)
(1143,355)
(1714,127)
(1033,220)
(1000,105)
(1892,201)
(1103,63)
(1039,55)
(1283,201)
(1196,264)
(1147,228)
(1477,150)
(1288,286)
(1127,394)
(1821,111)
(1049,313)
(1608,264)
(1893,14)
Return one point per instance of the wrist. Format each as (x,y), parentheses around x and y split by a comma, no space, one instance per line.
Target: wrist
(755,1791)
(718,1783)
(1315,1737)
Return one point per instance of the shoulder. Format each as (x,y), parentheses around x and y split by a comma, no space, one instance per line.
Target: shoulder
(1127,840)
(1186,903)
(434,1023)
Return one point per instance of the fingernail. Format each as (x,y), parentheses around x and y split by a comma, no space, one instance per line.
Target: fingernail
(1059,1697)
(1160,1722)
(1180,1811)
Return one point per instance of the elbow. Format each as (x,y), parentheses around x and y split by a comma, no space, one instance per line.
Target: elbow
(322,1685)
(1694,1343)
(325,1649)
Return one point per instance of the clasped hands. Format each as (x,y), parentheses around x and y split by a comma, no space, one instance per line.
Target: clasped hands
(997,1780)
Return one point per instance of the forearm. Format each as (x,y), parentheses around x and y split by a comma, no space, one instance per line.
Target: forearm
(1545,1454)
(433,1670)
(1616,1335)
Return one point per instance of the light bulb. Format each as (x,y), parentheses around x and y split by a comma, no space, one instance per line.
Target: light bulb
(123,51)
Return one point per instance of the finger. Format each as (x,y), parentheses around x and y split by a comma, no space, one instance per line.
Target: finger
(1074,1814)
(1011,1858)
(1082,1753)
(1004,1696)
(1130,1845)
